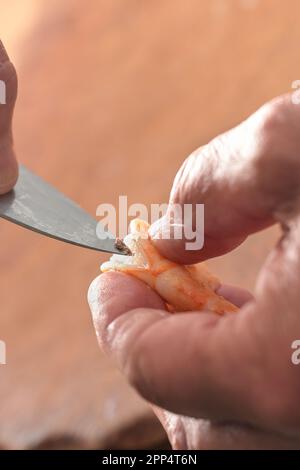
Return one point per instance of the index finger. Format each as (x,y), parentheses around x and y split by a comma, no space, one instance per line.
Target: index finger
(243,177)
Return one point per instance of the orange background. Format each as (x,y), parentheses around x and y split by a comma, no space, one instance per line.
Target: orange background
(112,97)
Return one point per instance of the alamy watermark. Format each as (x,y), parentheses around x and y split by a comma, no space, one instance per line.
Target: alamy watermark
(180,221)
(295,357)
(2,352)
(2,92)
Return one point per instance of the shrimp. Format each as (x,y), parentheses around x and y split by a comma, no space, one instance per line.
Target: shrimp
(183,288)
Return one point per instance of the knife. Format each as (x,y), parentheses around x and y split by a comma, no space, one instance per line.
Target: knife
(38,206)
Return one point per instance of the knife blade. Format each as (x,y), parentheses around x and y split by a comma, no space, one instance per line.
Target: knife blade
(38,206)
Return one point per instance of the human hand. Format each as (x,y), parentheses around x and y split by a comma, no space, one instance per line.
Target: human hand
(226,382)
(8,163)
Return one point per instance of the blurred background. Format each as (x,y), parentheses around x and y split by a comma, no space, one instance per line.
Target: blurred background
(112,97)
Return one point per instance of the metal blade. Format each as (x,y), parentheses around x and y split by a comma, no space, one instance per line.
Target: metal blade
(36,205)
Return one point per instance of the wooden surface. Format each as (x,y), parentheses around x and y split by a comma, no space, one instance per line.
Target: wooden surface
(112,98)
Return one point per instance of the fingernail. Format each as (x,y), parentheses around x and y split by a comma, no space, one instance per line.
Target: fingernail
(166,229)
(160,228)
(155,229)
(3,54)
(93,297)
(99,317)
(8,172)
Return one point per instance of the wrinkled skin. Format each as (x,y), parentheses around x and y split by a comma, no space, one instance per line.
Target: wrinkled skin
(231,377)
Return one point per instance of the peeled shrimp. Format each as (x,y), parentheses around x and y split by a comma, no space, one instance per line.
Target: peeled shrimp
(183,288)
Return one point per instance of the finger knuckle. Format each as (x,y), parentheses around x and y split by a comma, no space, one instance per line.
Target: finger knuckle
(276,130)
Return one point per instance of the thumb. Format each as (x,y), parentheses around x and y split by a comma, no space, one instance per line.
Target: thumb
(199,365)
(243,177)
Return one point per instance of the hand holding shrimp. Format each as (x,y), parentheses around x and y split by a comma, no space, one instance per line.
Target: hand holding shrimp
(183,288)
(229,379)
